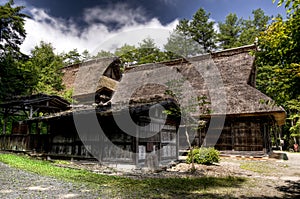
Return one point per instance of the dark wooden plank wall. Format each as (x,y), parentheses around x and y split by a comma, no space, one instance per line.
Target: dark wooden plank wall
(242,134)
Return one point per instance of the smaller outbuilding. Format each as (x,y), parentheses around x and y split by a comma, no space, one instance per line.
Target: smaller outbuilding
(121,117)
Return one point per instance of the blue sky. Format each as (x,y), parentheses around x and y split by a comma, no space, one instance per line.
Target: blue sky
(107,24)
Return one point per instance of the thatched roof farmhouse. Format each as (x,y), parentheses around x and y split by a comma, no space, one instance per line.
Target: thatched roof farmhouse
(240,117)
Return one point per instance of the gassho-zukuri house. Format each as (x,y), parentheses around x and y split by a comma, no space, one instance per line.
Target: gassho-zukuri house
(119,117)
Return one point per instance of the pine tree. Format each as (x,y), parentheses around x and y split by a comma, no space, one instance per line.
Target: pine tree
(12,31)
(14,75)
(251,28)
(202,30)
(180,42)
(230,31)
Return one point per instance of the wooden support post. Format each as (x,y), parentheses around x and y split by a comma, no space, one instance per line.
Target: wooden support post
(275,131)
(177,143)
(101,146)
(232,136)
(269,140)
(137,147)
(158,153)
(264,138)
(200,136)
(30,112)
(28,128)
(279,132)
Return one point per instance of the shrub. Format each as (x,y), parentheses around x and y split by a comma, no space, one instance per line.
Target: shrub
(203,155)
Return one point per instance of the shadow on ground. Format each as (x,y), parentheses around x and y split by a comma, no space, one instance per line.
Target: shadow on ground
(291,190)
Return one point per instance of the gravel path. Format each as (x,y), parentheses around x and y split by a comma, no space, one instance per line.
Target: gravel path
(15,183)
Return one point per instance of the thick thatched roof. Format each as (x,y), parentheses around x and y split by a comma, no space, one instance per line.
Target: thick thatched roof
(89,74)
(226,76)
(88,77)
(44,102)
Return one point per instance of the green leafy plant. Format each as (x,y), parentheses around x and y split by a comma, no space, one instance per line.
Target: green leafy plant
(278,66)
(202,155)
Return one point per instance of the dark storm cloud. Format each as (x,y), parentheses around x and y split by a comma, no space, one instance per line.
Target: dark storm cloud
(83,23)
(164,10)
(92,27)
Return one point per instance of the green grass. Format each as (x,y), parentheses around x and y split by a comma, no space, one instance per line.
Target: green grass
(63,162)
(258,167)
(122,187)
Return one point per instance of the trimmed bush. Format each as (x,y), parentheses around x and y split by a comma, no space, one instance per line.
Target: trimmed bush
(202,155)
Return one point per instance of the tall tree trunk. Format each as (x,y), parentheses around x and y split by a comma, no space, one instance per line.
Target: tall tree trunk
(191,148)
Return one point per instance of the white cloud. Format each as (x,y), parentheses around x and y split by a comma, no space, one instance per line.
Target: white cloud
(65,35)
(169,2)
(134,34)
(215,26)
(115,13)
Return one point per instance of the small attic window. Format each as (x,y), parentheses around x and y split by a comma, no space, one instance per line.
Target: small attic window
(103,95)
(113,70)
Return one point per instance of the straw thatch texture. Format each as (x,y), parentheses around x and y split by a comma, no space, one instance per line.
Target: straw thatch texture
(69,75)
(227,71)
(107,83)
(89,74)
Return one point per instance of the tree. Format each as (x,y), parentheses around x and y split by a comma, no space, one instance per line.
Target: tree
(124,49)
(230,31)
(202,30)
(15,77)
(294,118)
(86,55)
(290,5)
(180,43)
(147,43)
(12,31)
(251,28)
(48,66)
(127,54)
(185,109)
(103,53)
(72,57)
(278,61)
(278,64)
(146,52)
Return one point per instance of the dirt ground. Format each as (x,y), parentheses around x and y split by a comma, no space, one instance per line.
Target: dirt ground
(266,178)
